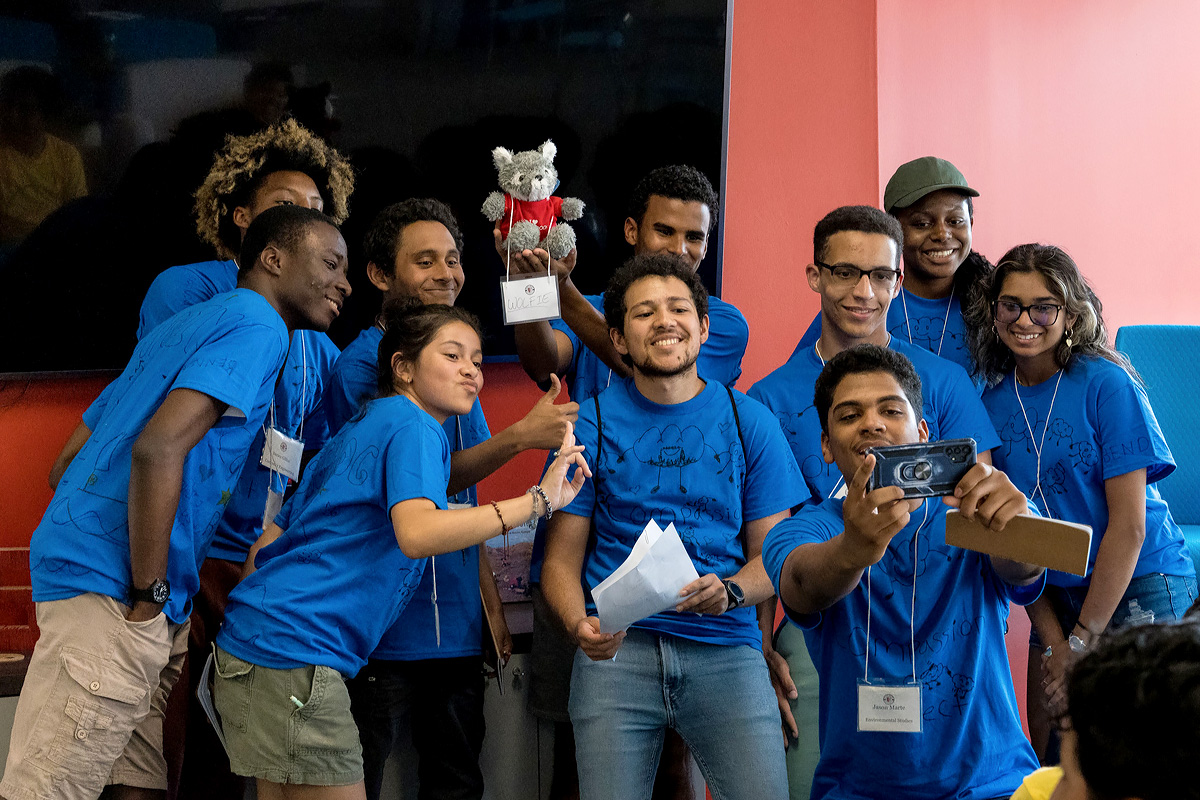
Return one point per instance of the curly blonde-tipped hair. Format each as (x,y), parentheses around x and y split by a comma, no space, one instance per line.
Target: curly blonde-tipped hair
(245,160)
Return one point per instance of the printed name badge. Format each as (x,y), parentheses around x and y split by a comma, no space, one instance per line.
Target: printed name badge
(889,708)
(282,454)
(529,299)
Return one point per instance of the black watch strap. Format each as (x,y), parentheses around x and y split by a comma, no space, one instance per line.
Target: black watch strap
(157,593)
(734,595)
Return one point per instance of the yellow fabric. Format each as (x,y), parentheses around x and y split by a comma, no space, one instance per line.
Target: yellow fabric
(1039,785)
(32,188)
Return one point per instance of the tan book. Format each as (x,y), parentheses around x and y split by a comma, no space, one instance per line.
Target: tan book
(1050,543)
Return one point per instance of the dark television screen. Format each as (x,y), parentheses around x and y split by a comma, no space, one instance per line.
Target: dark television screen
(416,94)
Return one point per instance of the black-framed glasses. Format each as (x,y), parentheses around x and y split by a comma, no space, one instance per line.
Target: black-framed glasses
(1041,314)
(846,275)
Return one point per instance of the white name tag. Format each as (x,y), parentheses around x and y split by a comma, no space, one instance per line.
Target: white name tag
(282,454)
(529,299)
(889,708)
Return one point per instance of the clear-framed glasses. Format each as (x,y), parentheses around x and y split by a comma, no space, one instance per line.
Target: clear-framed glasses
(1041,314)
(846,275)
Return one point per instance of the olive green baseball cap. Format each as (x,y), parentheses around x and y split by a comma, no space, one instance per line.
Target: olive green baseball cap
(919,177)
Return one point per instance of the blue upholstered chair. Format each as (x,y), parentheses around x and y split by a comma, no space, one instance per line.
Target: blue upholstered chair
(1166,356)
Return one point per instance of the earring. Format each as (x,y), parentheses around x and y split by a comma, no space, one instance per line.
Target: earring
(1069,342)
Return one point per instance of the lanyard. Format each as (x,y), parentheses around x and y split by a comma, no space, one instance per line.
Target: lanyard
(303,391)
(1037,446)
(945,319)
(912,625)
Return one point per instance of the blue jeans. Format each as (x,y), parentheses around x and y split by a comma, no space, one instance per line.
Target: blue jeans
(718,698)
(1166,597)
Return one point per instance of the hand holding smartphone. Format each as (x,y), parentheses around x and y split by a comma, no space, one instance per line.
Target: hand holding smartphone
(927,469)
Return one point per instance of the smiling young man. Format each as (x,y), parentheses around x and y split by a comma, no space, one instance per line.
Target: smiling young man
(423,681)
(933,203)
(672,210)
(857,271)
(670,446)
(281,166)
(116,558)
(894,615)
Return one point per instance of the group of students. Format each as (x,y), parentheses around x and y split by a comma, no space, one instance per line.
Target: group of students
(345,610)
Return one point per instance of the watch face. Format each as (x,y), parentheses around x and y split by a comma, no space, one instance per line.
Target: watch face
(161,591)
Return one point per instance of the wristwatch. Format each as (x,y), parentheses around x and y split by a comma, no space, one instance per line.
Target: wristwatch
(158,592)
(734,594)
(1076,644)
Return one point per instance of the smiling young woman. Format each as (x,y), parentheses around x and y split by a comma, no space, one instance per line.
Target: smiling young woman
(1081,441)
(933,202)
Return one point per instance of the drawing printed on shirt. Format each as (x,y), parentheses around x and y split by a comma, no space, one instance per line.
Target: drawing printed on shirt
(668,451)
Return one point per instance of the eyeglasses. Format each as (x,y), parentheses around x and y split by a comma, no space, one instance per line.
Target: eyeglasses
(846,275)
(1041,314)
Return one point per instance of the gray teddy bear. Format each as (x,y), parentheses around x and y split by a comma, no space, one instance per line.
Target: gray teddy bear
(527,211)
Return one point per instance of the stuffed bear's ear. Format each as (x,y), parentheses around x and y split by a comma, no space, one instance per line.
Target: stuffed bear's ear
(500,157)
(548,150)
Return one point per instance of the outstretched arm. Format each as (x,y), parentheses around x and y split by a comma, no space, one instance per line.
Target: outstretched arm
(542,428)
(422,529)
(818,574)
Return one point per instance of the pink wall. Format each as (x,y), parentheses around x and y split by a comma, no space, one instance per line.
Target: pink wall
(1076,120)
(802,141)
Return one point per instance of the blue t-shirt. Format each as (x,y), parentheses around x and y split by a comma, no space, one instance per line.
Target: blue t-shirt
(683,463)
(952,409)
(720,357)
(971,745)
(937,325)
(329,587)
(459,609)
(925,320)
(181,287)
(230,348)
(298,396)
(1102,426)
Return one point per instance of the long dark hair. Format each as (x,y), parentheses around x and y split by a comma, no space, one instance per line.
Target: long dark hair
(1089,336)
(408,328)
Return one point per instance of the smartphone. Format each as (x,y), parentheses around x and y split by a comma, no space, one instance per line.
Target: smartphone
(928,469)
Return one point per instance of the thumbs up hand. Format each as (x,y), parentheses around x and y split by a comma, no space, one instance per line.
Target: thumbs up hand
(544,427)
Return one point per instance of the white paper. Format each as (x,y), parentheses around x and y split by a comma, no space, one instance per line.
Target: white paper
(529,299)
(648,582)
(204,695)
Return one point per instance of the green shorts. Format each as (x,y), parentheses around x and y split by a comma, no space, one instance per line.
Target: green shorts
(287,725)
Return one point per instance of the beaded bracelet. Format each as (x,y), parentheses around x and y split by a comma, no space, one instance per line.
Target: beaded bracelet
(538,491)
(504,527)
